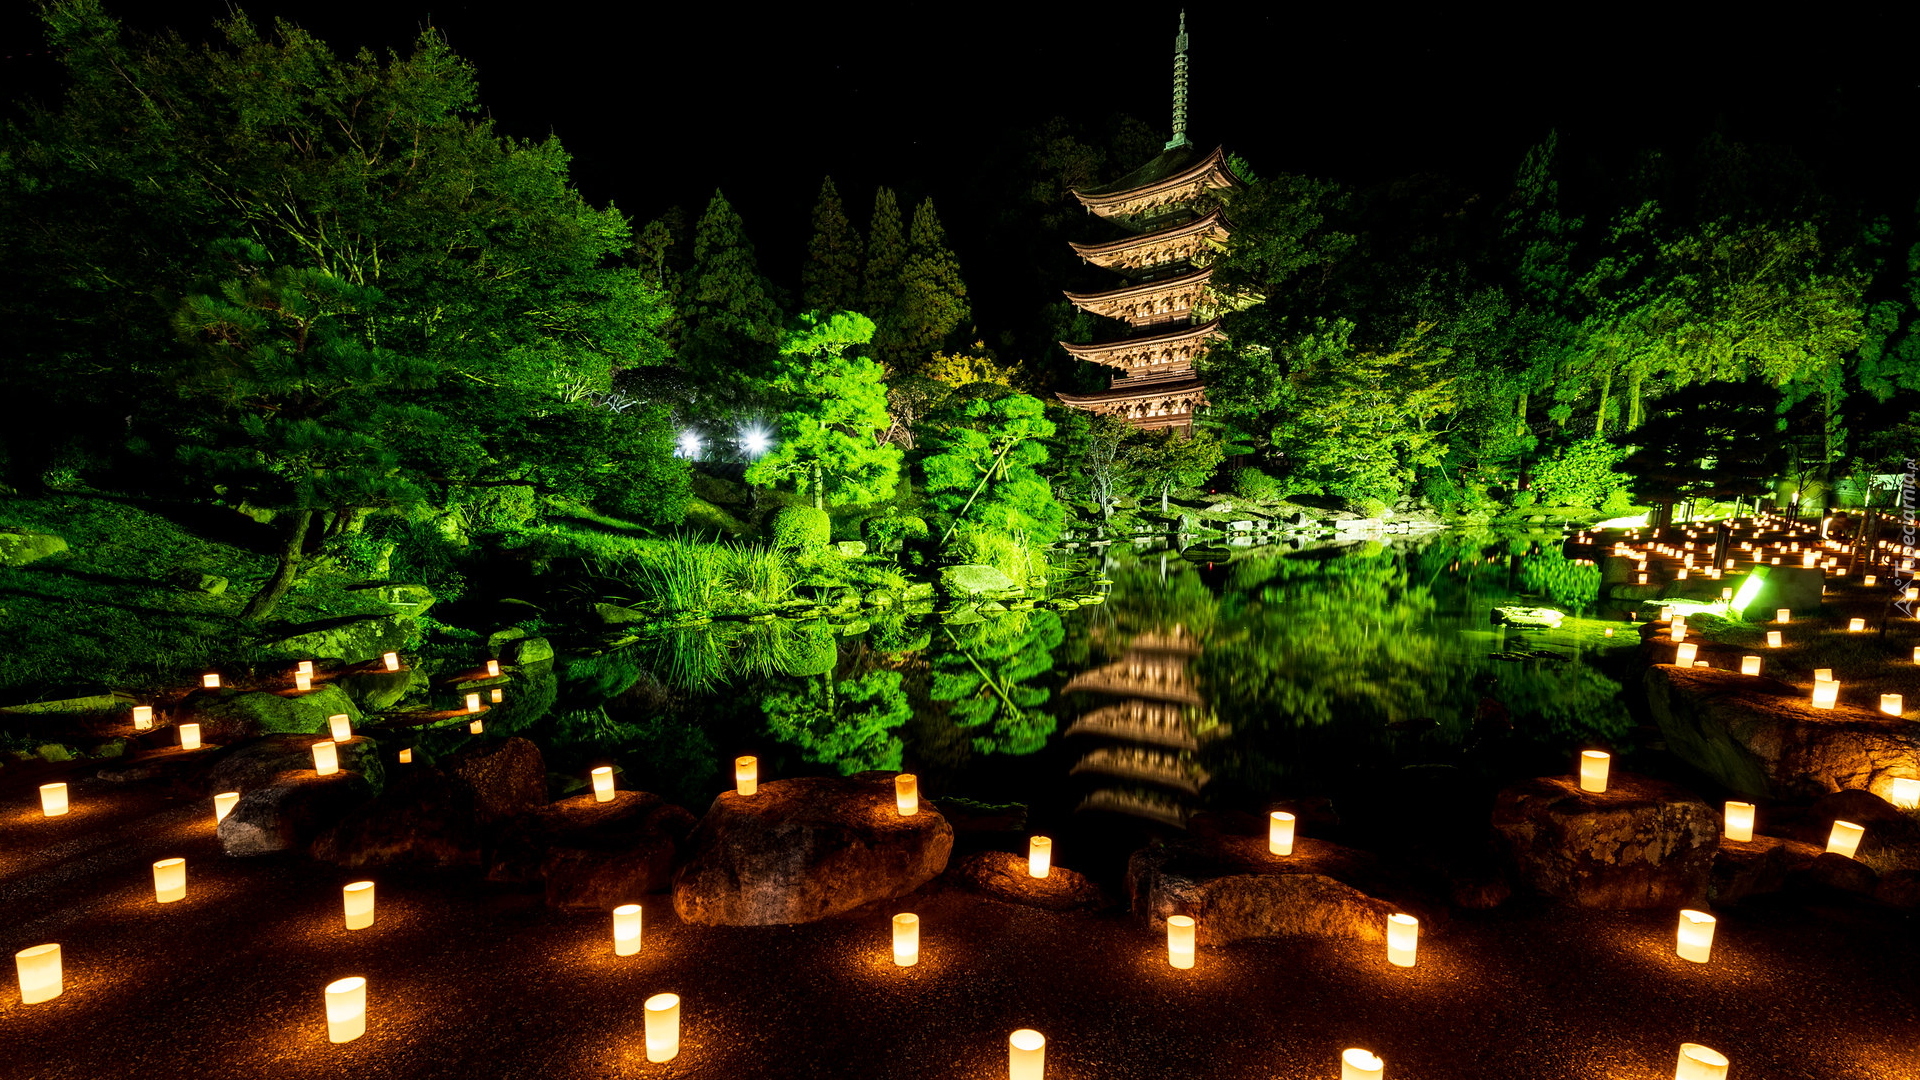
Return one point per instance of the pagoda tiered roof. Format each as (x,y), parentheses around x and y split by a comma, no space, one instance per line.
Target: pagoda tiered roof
(1150,303)
(1172,351)
(1193,244)
(1176,182)
(1148,404)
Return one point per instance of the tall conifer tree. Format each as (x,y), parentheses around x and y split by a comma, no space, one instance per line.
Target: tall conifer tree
(730,318)
(933,299)
(830,281)
(886,255)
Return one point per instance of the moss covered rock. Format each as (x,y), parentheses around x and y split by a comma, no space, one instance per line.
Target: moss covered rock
(18,547)
(970,580)
(228,715)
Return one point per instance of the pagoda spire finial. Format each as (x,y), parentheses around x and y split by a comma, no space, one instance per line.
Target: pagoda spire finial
(1179,87)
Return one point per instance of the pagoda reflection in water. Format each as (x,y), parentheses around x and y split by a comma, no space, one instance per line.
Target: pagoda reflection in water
(1145,764)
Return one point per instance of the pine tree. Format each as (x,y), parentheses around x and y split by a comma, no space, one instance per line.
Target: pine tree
(730,318)
(886,256)
(830,281)
(933,299)
(830,433)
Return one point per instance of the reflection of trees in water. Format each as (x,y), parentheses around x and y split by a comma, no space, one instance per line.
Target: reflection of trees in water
(980,671)
(852,724)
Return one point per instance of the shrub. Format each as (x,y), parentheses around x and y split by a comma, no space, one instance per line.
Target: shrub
(801,528)
(1367,506)
(1524,500)
(879,531)
(1253,484)
(1579,474)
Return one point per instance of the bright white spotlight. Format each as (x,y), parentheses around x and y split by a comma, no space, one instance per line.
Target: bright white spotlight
(689,444)
(755,441)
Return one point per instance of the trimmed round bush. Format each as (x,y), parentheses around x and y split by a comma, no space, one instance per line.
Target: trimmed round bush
(801,528)
(1251,483)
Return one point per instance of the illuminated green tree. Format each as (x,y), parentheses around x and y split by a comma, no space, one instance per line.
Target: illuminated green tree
(830,280)
(731,321)
(980,672)
(982,468)
(1165,459)
(852,725)
(833,426)
(932,300)
(886,257)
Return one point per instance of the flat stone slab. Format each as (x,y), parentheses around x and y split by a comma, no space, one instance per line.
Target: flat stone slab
(1764,739)
(1003,875)
(1642,843)
(592,854)
(262,761)
(289,812)
(805,849)
(1234,888)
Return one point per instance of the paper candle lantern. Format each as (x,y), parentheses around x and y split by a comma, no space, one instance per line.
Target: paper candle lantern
(1773,639)
(302,681)
(602,783)
(906,794)
(53,799)
(1845,838)
(1916,655)
(326,759)
(169,880)
(1726,593)
(1700,1063)
(1695,940)
(1280,833)
(1180,941)
(496,696)
(1871,581)
(304,667)
(1039,856)
(391,661)
(346,1009)
(210,681)
(1826,694)
(626,929)
(1361,1065)
(357,901)
(1679,631)
(223,805)
(1892,704)
(143,718)
(340,726)
(406,756)
(663,1027)
(40,973)
(1403,940)
(189,736)
(1642,581)
(477,727)
(1855,626)
(1684,653)
(1026,1055)
(906,940)
(1783,615)
(746,775)
(1593,769)
(1749,665)
(1904,793)
(1609,631)
(473,703)
(493,669)
(1739,821)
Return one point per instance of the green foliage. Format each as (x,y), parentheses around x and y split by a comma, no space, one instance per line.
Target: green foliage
(982,469)
(981,675)
(830,280)
(1000,550)
(1165,459)
(831,430)
(1251,483)
(731,321)
(1566,582)
(851,725)
(1578,474)
(886,256)
(801,528)
(932,300)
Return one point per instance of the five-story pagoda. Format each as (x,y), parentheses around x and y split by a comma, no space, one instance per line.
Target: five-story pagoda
(1172,206)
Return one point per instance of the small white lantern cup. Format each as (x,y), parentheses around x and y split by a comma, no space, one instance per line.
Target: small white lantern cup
(1893,704)
(1904,793)
(406,756)
(1403,940)
(626,929)
(53,799)
(1685,653)
(496,696)
(493,669)
(189,736)
(1739,821)
(906,940)
(1026,1055)
(1695,940)
(602,783)
(1039,856)
(210,681)
(1826,694)
(1180,947)
(1280,825)
(906,794)
(1845,838)
(1700,1063)
(473,703)
(346,1009)
(340,726)
(663,1027)
(357,901)
(478,727)
(1749,665)
(390,661)
(1594,765)
(1856,626)
(1773,639)
(326,758)
(304,667)
(40,972)
(302,681)
(1781,615)
(223,805)
(746,775)
(169,881)
(1361,1065)
(143,718)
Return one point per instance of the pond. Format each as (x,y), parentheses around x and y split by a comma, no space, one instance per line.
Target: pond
(1363,683)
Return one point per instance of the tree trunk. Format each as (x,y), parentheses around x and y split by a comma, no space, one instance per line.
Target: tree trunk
(1606,398)
(1164,488)
(1633,402)
(819,495)
(292,554)
(1520,415)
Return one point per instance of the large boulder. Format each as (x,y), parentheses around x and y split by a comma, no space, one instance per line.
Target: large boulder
(262,761)
(526,651)
(1642,843)
(1234,888)
(1528,618)
(423,818)
(502,779)
(1763,739)
(804,849)
(381,689)
(968,581)
(289,811)
(1003,876)
(1765,864)
(352,638)
(18,547)
(229,715)
(592,854)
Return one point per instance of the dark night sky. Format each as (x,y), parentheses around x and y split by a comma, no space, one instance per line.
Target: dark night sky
(660,104)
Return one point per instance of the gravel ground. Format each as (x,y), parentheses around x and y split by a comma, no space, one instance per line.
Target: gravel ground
(474,981)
